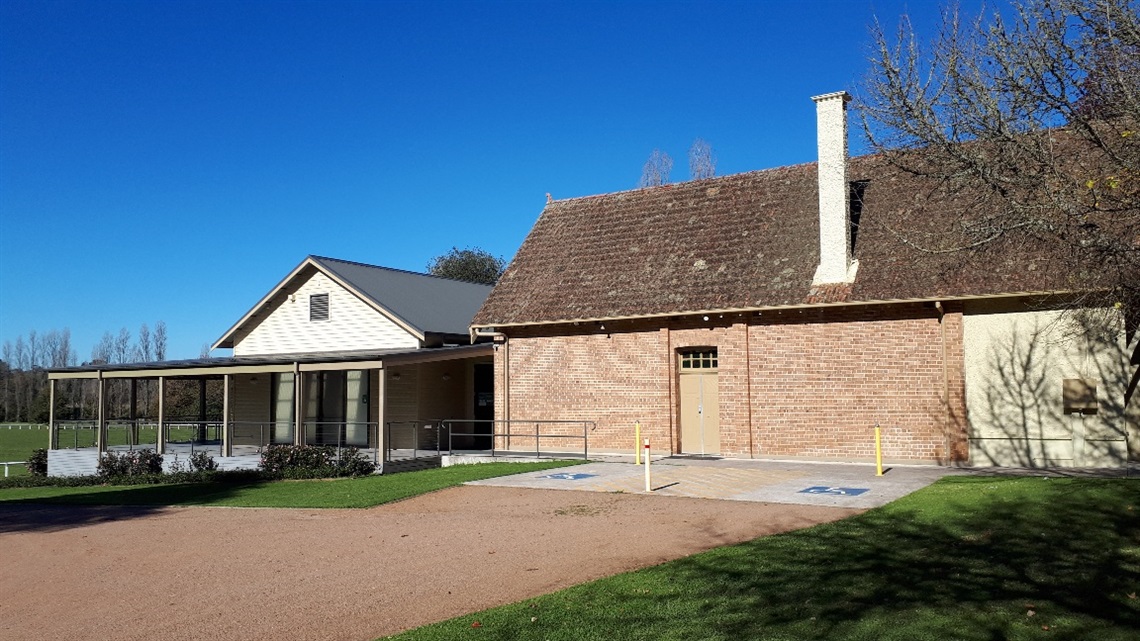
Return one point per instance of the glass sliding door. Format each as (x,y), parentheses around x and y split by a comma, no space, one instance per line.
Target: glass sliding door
(281,409)
(336,408)
(356,408)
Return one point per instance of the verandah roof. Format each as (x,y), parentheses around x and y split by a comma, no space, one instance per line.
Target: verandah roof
(373,359)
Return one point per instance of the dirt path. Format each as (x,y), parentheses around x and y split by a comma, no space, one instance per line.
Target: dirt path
(218,573)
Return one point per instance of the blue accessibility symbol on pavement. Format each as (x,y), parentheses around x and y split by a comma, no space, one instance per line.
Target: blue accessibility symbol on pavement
(834,491)
(567,476)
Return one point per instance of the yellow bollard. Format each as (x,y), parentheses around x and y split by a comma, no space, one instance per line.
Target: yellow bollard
(878,452)
(637,443)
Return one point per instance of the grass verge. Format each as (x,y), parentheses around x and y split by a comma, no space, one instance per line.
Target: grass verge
(967,558)
(320,493)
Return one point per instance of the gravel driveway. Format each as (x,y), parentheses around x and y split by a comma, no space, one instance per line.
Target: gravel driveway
(242,573)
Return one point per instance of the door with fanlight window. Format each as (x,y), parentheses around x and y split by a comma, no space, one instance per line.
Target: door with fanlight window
(700,408)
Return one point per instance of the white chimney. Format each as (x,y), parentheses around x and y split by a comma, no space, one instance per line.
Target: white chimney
(835,264)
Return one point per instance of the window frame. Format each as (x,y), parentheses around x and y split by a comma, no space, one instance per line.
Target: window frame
(698,359)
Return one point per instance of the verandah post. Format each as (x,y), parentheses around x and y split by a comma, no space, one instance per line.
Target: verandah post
(133,428)
(202,435)
(160,438)
(101,424)
(53,433)
(227,434)
(298,406)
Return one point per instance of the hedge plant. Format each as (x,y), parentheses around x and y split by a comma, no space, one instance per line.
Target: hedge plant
(37,463)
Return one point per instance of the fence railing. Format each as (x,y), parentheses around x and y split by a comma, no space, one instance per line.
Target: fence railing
(77,433)
(198,435)
(421,438)
(140,434)
(505,436)
(203,435)
(6,464)
(338,433)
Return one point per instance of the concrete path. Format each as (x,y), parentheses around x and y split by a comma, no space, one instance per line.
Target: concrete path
(818,484)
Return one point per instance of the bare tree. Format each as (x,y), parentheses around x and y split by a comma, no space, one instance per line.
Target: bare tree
(702,162)
(160,341)
(104,350)
(122,351)
(49,345)
(9,384)
(656,169)
(20,359)
(35,349)
(144,349)
(1034,114)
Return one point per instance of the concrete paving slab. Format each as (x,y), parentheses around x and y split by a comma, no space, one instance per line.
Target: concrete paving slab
(819,484)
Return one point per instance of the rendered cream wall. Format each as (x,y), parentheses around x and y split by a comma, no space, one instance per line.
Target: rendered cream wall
(1015,364)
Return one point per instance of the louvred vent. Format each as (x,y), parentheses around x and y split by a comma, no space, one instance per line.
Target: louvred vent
(319,307)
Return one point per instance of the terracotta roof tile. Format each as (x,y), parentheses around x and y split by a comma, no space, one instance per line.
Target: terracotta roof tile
(750,240)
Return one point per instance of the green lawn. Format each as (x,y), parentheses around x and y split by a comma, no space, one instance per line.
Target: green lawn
(323,493)
(967,558)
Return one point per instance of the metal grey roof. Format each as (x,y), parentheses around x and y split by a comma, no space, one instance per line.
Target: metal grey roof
(428,303)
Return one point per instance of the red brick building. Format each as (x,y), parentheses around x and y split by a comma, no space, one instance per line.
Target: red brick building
(777,314)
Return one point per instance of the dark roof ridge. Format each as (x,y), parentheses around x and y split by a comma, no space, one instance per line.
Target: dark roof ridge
(393,269)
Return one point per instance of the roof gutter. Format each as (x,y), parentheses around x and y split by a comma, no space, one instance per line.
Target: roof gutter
(483,331)
(491,328)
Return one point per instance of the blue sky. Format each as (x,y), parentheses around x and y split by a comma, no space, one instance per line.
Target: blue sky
(175,160)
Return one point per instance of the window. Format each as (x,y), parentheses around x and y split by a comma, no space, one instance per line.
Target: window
(319,307)
(699,359)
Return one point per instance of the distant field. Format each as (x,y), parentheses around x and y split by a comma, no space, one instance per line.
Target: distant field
(17,440)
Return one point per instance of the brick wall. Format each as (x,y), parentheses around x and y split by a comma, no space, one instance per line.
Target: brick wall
(806,385)
(822,381)
(614,379)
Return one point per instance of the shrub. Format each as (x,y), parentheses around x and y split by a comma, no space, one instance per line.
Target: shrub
(297,461)
(236,477)
(176,466)
(50,481)
(37,463)
(112,464)
(353,463)
(311,462)
(135,463)
(202,462)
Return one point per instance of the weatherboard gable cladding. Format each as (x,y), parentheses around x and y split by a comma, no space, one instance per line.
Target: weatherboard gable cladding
(352,324)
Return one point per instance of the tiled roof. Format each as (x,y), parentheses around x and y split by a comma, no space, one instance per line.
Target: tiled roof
(751,240)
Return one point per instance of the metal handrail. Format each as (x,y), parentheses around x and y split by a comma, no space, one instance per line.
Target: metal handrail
(76,425)
(341,430)
(415,427)
(587,427)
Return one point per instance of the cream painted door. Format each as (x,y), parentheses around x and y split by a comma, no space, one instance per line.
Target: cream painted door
(700,409)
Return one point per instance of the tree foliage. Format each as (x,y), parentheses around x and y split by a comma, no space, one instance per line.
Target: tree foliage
(1032,111)
(473,265)
(656,170)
